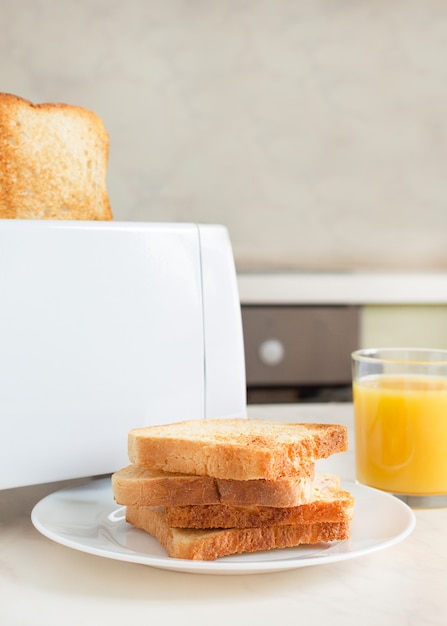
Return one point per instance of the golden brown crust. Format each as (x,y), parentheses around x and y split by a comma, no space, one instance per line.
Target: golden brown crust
(208,545)
(53,161)
(138,486)
(134,485)
(338,508)
(239,449)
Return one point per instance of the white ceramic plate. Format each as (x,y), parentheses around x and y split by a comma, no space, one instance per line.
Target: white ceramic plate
(87,518)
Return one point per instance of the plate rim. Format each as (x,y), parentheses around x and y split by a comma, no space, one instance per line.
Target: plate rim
(102,486)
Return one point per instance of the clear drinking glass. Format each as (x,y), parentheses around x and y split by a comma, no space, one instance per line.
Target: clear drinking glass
(400,417)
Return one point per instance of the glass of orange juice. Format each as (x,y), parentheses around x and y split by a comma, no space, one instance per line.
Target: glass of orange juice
(400,419)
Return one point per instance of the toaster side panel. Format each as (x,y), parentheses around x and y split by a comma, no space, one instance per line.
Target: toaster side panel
(224,346)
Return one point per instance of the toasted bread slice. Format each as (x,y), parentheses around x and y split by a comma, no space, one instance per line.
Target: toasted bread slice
(209,544)
(328,503)
(135,485)
(53,162)
(238,449)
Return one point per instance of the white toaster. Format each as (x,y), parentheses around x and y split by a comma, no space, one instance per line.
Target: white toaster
(107,326)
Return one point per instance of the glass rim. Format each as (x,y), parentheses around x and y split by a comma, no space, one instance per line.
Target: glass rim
(375,355)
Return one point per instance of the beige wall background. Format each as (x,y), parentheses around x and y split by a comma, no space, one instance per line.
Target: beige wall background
(316,131)
(404,326)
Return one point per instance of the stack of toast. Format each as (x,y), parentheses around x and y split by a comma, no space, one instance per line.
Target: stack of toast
(212,488)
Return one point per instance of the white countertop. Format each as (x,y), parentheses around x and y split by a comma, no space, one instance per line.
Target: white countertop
(44,584)
(328,288)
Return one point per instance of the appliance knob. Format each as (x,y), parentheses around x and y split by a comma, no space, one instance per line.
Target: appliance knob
(271,352)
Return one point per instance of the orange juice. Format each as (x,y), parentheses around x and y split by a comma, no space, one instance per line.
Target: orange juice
(401,433)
